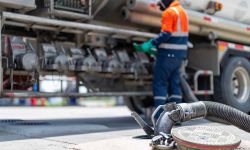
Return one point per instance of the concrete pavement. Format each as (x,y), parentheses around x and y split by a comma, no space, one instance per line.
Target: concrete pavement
(79,128)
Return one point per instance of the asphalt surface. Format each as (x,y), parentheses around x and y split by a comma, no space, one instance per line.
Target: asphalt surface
(80,128)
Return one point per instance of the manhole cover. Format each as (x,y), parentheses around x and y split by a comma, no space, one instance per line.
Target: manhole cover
(204,137)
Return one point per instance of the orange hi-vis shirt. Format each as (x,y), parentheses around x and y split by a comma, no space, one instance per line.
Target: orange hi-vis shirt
(170,18)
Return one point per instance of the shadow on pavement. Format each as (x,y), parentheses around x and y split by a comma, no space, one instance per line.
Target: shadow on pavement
(11,129)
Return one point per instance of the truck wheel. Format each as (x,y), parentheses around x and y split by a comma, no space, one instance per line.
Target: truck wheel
(139,104)
(233,87)
(130,102)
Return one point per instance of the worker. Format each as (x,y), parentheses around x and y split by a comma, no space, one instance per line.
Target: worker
(171,45)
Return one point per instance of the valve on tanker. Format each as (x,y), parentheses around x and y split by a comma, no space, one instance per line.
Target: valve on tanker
(54,60)
(135,66)
(212,36)
(114,65)
(110,63)
(24,56)
(214,7)
(90,63)
(138,66)
(125,61)
(77,58)
(62,61)
(145,60)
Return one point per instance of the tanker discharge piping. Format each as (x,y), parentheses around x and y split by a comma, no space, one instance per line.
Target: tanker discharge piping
(202,109)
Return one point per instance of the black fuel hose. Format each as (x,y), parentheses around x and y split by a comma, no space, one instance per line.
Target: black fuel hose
(228,114)
(189,97)
(202,109)
(187,91)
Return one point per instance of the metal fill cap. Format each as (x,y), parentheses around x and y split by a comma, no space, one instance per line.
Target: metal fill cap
(205,138)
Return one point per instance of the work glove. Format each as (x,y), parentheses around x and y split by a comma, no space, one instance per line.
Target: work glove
(146,47)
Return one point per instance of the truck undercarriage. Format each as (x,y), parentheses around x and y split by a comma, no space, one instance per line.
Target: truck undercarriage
(81,39)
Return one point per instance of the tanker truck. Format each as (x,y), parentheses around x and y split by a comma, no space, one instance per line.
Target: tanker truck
(92,41)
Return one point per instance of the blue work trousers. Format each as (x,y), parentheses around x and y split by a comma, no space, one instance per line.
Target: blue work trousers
(166,81)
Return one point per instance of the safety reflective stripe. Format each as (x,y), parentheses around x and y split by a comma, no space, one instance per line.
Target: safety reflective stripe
(173,46)
(179,34)
(175,96)
(160,98)
(179,19)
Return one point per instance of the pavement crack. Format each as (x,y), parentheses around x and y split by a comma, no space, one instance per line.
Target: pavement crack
(58,141)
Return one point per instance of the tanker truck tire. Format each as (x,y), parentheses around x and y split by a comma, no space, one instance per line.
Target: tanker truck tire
(132,105)
(233,87)
(140,104)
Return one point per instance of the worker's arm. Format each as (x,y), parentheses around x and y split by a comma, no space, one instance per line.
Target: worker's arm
(166,29)
(163,37)
(168,18)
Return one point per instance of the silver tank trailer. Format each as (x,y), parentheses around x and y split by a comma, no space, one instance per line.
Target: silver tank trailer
(225,24)
(143,15)
(230,23)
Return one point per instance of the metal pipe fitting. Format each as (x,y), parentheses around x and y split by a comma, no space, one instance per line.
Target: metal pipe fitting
(202,109)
